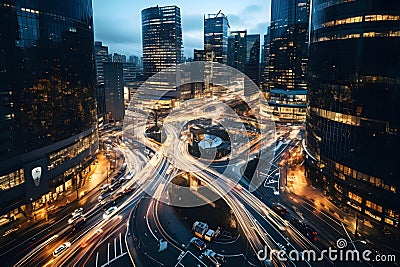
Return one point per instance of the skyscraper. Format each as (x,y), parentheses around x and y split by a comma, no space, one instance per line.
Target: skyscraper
(114,90)
(353,122)
(48,126)
(244,53)
(265,61)
(288,59)
(161,38)
(119,58)
(252,65)
(237,50)
(101,57)
(216,27)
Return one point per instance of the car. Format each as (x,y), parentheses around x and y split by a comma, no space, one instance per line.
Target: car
(123,167)
(103,196)
(200,228)
(109,211)
(311,233)
(61,249)
(305,229)
(76,218)
(77,211)
(105,187)
(278,208)
(129,175)
(214,257)
(115,179)
(115,186)
(198,243)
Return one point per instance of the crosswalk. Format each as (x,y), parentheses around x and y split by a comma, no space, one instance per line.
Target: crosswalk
(113,253)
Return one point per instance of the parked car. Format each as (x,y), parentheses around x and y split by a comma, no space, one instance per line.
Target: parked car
(198,243)
(58,251)
(200,228)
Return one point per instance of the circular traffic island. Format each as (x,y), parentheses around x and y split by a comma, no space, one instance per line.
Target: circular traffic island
(208,140)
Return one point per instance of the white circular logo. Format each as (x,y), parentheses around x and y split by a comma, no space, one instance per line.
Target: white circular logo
(341,243)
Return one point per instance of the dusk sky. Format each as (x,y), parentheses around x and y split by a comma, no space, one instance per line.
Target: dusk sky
(118,23)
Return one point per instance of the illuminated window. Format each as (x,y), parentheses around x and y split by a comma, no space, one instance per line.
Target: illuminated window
(372,215)
(373,206)
(354,197)
(12,179)
(393,214)
(72,151)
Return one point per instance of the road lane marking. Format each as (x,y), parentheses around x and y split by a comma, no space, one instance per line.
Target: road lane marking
(108,253)
(120,242)
(115,247)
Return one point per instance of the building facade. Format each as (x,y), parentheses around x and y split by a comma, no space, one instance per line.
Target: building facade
(237,50)
(161,39)
(264,68)
(288,51)
(244,55)
(114,91)
(48,121)
(216,27)
(353,122)
(119,58)
(101,57)
(252,65)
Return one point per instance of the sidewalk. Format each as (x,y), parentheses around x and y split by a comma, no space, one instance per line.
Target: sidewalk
(65,202)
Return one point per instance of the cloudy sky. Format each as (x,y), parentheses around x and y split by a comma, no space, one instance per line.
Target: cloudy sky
(118,23)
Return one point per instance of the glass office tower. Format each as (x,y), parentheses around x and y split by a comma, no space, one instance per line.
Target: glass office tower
(161,39)
(101,57)
(353,117)
(48,132)
(216,28)
(244,54)
(287,73)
